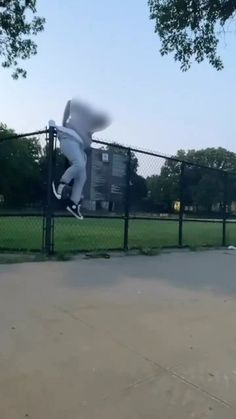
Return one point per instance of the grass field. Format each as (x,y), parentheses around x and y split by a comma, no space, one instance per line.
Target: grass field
(97,234)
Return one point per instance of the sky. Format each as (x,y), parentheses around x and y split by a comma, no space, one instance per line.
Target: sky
(106,52)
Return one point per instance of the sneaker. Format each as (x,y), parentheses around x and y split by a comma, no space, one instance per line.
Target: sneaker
(58,191)
(75,210)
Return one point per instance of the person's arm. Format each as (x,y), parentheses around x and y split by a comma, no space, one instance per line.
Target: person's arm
(66,113)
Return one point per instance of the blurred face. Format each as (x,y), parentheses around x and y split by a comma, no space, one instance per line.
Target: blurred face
(79,109)
(99,121)
(91,119)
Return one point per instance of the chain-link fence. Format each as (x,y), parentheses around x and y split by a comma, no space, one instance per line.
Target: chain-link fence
(23,162)
(132,199)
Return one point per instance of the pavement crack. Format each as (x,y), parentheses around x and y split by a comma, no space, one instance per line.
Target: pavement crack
(169,371)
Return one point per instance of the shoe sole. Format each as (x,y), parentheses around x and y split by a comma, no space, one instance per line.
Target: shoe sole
(57,195)
(74,214)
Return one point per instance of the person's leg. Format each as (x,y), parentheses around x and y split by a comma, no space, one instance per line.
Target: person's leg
(73,152)
(79,181)
(77,172)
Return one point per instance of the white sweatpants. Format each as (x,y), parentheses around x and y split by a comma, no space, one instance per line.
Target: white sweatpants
(73,151)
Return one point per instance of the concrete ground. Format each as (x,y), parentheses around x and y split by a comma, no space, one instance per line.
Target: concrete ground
(125,338)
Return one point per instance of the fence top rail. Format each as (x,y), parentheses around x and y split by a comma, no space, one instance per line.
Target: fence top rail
(28,134)
(162,156)
(124,147)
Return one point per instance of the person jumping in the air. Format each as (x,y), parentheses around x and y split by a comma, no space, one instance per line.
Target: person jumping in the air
(75,136)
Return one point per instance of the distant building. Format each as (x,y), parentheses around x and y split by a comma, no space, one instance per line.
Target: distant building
(106,179)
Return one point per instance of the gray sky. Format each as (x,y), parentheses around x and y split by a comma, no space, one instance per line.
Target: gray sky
(106,52)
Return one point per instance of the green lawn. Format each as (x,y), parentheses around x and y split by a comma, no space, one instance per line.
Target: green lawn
(96,234)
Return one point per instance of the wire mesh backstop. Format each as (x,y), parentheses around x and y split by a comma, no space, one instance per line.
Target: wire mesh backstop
(133,199)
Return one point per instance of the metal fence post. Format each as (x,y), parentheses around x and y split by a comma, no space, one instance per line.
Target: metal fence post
(49,245)
(181,198)
(127,201)
(224,214)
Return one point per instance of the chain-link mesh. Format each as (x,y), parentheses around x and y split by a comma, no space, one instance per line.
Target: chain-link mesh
(153,233)
(231,209)
(23,165)
(154,186)
(132,199)
(231,233)
(203,192)
(90,234)
(105,195)
(152,203)
(21,232)
(203,203)
(205,233)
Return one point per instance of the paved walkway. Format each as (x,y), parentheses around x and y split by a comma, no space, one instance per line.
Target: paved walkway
(125,338)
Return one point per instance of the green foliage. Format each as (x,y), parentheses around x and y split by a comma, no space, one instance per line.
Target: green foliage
(164,188)
(18,23)
(202,187)
(217,158)
(138,189)
(190,28)
(20,180)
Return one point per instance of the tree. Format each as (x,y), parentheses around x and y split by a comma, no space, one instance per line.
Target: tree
(202,187)
(191,28)
(138,189)
(207,191)
(216,158)
(20,180)
(164,188)
(17,26)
